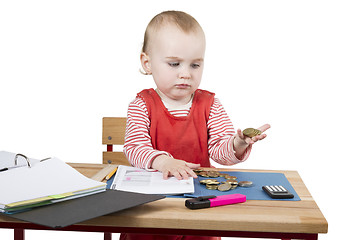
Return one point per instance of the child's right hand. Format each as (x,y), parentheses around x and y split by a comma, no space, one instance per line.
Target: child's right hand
(174,167)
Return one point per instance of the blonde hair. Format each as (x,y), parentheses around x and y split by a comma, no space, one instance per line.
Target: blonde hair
(182,20)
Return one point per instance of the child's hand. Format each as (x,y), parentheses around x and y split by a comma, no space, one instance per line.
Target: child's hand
(241,141)
(254,139)
(174,167)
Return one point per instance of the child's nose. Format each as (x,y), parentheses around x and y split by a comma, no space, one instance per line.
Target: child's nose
(185,74)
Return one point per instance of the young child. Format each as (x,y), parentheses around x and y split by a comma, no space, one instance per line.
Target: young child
(177,127)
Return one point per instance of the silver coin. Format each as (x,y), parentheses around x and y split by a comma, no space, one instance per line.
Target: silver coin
(245,183)
(224,187)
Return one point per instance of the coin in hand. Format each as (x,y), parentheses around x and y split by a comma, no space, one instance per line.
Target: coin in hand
(251,132)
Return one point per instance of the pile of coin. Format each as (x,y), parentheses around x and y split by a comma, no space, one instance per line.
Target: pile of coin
(251,132)
(213,184)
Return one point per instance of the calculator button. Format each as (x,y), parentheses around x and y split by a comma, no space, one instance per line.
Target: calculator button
(283,188)
(278,188)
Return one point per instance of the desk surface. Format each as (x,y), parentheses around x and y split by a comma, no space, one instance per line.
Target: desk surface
(252,216)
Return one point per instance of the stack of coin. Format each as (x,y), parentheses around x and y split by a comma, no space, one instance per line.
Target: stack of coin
(211,184)
(251,132)
(245,183)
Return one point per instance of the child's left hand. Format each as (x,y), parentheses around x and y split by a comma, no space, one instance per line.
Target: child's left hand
(241,142)
(250,141)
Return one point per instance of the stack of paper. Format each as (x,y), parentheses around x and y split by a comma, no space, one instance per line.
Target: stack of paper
(45,182)
(133,179)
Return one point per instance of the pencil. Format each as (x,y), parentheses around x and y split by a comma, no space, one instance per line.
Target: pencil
(111,173)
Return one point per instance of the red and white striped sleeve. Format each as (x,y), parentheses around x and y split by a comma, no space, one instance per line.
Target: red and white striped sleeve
(138,147)
(221,135)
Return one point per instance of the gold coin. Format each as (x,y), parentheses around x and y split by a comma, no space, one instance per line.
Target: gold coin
(211,187)
(203,174)
(197,171)
(203,181)
(245,183)
(213,183)
(251,132)
(232,182)
(224,187)
(229,177)
(213,174)
(206,181)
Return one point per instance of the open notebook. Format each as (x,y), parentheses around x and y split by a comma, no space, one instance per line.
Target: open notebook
(37,183)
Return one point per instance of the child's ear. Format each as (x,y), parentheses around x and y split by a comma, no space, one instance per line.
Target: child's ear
(145,62)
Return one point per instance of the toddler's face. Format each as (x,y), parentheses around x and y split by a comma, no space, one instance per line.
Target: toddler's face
(176,61)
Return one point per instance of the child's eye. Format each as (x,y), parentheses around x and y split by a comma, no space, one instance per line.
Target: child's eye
(174,64)
(195,65)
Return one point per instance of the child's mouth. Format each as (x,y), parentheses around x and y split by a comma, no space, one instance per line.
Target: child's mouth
(182,86)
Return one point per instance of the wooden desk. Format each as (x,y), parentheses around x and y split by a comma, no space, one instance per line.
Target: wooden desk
(255,218)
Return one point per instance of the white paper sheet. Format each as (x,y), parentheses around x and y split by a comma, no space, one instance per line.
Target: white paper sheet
(133,179)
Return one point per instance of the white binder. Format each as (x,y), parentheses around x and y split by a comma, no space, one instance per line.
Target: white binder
(30,183)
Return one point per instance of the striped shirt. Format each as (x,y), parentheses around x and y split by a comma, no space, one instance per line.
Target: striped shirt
(138,147)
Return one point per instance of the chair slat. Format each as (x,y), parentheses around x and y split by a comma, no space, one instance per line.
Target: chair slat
(115,158)
(113,130)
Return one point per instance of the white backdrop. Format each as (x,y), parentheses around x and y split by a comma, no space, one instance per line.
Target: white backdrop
(66,64)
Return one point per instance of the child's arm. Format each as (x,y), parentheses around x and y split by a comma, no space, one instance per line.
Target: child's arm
(138,148)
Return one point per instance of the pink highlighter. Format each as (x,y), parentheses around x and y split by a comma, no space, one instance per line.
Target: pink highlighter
(214,201)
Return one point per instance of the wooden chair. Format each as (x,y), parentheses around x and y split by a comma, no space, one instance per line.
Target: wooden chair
(113,132)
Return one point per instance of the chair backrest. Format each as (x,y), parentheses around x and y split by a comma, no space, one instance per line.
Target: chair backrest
(113,132)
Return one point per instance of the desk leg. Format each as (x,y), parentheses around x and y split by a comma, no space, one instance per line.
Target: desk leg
(18,234)
(107,236)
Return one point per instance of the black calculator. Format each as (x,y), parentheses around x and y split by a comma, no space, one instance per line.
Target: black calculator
(277,191)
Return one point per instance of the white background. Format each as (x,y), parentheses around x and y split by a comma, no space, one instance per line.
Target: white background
(66,64)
